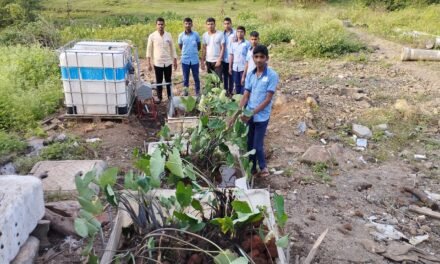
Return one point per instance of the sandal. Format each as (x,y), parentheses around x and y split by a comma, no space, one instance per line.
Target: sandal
(264,173)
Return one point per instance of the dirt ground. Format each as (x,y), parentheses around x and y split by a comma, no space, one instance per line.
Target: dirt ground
(360,186)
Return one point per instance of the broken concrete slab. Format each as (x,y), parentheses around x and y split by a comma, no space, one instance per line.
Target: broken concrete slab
(61,174)
(21,207)
(316,154)
(28,252)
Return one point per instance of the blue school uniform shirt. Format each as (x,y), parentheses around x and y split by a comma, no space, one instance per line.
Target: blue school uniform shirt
(190,52)
(239,51)
(229,39)
(258,88)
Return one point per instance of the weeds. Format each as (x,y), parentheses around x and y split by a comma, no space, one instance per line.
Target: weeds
(320,170)
(10,143)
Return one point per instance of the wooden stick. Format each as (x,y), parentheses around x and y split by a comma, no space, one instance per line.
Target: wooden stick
(422,197)
(424,211)
(314,249)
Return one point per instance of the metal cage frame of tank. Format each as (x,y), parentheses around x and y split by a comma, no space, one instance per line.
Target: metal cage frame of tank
(132,86)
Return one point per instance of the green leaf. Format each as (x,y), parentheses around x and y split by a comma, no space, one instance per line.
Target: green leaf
(157,167)
(231,106)
(225,257)
(280,214)
(144,183)
(240,260)
(83,189)
(189,172)
(164,132)
(190,222)
(110,195)
(143,164)
(216,123)
(204,120)
(108,177)
(93,205)
(89,177)
(230,160)
(248,113)
(81,227)
(248,218)
(89,218)
(189,102)
(283,242)
(184,194)
(93,259)
(174,163)
(129,182)
(241,207)
(197,205)
(150,243)
(226,224)
(92,229)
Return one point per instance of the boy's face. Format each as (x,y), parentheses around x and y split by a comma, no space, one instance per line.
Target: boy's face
(160,26)
(227,25)
(210,26)
(240,34)
(260,59)
(254,41)
(188,25)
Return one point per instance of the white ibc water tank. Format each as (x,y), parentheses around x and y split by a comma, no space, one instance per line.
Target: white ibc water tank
(97,77)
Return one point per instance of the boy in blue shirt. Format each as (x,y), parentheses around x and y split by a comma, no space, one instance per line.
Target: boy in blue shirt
(260,86)
(237,58)
(189,43)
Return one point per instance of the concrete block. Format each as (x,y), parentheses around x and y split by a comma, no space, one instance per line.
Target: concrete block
(61,174)
(21,207)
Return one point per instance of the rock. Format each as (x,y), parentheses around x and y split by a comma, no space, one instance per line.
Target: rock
(61,137)
(28,252)
(294,150)
(359,96)
(109,124)
(382,127)
(62,216)
(315,154)
(405,153)
(21,207)
(402,106)
(429,165)
(388,134)
(40,232)
(280,101)
(361,131)
(89,129)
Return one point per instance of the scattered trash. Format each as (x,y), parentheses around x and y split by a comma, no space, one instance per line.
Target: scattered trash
(420,157)
(433,196)
(422,197)
(92,140)
(302,127)
(361,142)
(361,159)
(323,141)
(388,134)
(278,172)
(61,137)
(385,231)
(418,239)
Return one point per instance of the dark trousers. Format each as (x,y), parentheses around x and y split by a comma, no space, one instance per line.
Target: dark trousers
(210,67)
(236,76)
(227,78)
(160,72)
(195,73)
(257,131)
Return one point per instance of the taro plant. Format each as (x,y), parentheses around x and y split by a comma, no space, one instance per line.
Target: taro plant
(192,222)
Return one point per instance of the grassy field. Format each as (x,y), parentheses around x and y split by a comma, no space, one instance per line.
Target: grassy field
(29,76)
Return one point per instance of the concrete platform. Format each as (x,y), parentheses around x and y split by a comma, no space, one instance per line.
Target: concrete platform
(21,207)
(61,174)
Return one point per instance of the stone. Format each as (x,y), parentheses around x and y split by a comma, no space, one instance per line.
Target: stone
(61,138)
(382,127)
(21,207)
(28,252)
(61,174)
(280,101)
(62,216)
(109,124)
(89,129)
(40,232)
(311,132)
(362,131)
(294,150)
(311,102)
(359,96)
(316,154)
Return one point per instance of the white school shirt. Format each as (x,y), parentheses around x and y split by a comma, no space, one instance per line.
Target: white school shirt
(213,44)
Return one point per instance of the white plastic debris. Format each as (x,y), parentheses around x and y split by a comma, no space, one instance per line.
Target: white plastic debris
(420,157)
(92,140)
(361,142)
(418,239)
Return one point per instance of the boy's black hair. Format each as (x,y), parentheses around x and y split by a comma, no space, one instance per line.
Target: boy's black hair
(210,19)
(160,19)
(187,19)
(241,28)
(261,49)
(255,34)
(227,19)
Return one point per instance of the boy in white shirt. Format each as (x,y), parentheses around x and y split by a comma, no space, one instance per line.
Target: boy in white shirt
(213,46)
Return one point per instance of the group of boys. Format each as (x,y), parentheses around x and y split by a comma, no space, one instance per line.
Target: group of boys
(240,64)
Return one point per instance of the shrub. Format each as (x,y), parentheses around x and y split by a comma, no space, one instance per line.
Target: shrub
(10,143)
(29,86)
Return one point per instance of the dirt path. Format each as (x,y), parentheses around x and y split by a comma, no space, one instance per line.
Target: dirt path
(391,52)
(361,187)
